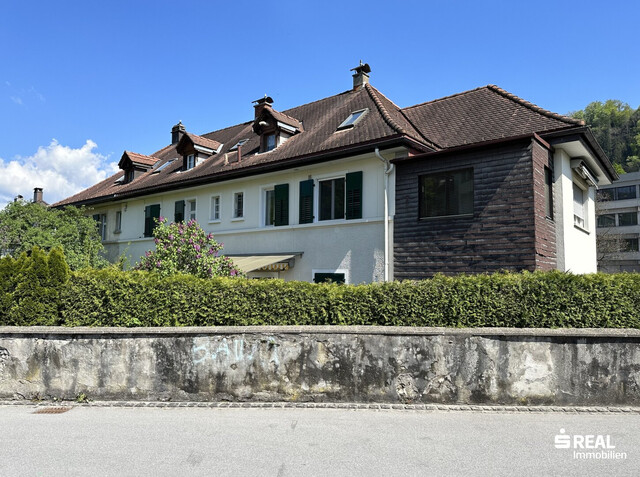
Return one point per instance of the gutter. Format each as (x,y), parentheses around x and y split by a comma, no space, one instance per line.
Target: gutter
(388,168)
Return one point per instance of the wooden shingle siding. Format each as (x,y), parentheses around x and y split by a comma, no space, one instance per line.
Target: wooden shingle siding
(545,241)
(499,236)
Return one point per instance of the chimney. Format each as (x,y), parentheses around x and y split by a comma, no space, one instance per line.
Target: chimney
(37,195)
(177,132)
(361,75)
(261,104)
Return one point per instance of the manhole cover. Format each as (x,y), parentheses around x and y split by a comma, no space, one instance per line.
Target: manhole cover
(51,410)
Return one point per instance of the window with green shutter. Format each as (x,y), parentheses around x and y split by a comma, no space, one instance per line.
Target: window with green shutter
(281,204)
(151,213)
(354,195)
(179,211)
(306,202)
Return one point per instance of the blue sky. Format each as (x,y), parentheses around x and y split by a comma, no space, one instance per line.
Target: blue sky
(82,81)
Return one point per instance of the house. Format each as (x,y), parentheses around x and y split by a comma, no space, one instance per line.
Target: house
(354,188)
(618,230)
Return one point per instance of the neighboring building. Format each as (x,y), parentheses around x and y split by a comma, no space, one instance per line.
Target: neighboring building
(618,229)
(353,188)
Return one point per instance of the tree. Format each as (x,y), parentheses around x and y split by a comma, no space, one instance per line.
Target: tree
(616,126)
(185,248)
(25,225)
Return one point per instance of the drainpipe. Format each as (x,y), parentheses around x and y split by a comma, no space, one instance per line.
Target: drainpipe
(388,167)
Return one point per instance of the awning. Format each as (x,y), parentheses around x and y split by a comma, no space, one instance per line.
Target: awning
(264,263)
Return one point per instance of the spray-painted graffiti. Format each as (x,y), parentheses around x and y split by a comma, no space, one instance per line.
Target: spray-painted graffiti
(236,350)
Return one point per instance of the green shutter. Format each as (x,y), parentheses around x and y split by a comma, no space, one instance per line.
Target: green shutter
(354,195)
(306,202)
(281,193)
(151,213)
(179,211)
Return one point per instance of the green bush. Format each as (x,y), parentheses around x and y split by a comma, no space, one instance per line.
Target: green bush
(35,291)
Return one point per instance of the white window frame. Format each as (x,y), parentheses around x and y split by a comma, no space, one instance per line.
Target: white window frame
(187,209)
(263,203)
(316,192)
(103,227)
(581,223)
(118,228)
(347,277)
(212,216)
(236,218)
(191,157)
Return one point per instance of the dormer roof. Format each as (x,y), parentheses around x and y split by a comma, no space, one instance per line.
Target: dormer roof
(276,119)
(199,143)
(133,159)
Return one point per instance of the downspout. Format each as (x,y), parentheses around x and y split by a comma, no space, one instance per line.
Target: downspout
(388,167)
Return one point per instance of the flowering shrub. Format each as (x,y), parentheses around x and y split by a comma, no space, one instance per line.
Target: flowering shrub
(185,248)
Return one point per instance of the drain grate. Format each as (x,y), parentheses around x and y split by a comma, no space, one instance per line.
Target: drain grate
(51,410)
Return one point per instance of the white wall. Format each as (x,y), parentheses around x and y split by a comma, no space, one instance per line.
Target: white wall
(357,245)
(576,246)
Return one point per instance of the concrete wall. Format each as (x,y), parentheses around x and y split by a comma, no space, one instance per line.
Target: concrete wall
(358,364)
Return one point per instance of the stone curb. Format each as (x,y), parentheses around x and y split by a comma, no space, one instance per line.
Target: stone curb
(350,406)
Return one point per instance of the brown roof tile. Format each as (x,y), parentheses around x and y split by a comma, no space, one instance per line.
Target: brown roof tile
(141,158)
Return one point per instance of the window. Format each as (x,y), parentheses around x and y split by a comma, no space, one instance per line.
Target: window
(325,276)
(630,245)
(129,175)
(118,228)
(269,142)
(607,220)
(215,208)
(101,223)
(305,206)
(163,166)
(626,192)
(627,218)
(151,214)
(238,205)
(578,206)
(178,215)
(548,192)
(191,209)
(269,207)
(332,199)
(191,161)
(446,193)
(240,143)
(352,119)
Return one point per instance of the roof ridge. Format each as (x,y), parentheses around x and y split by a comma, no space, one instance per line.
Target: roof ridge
(140,154)
(373,92)
(532,106)
(445,97)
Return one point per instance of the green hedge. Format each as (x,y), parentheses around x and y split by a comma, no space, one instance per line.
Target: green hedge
(40,290)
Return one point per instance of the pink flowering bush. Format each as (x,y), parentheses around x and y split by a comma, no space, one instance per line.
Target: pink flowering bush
(185,248)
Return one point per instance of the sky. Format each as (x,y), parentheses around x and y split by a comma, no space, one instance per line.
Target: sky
(80,82)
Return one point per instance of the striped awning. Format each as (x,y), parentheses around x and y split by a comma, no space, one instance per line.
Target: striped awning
(266,263)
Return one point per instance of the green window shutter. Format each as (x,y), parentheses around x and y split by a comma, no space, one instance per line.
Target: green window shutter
(179,211)
(151,213)
(281,193)
(306,202)
(354,195)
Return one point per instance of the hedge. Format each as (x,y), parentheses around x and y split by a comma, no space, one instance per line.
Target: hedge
(48,294)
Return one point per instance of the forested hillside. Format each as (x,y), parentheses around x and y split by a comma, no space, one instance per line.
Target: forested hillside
(616,126)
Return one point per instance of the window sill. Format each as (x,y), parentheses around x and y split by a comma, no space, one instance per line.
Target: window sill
(217,221)
(117,232)
(237,219)
(581,229)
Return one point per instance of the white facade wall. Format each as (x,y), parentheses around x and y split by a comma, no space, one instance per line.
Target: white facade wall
(576,246)
(355,246)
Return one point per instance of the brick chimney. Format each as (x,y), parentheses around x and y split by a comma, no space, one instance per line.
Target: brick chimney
(361,75)
(37,195)
(177,132)
(261,104)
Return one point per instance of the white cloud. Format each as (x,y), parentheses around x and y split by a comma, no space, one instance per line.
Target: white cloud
(60,170)
(17,100)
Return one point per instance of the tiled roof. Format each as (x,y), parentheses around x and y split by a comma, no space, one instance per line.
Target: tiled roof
(203,141)
(283,118)
(141,158)
(471,117)
(482,114)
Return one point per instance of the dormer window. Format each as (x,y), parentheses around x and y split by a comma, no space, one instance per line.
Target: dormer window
(129,176)
(270,142)
(353,119)
(135,165)
(191,161)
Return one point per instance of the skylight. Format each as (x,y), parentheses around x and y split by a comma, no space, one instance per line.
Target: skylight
(240,143)
(163,166)
(353,119)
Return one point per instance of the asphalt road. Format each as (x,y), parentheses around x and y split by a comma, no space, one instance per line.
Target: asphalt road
(95,441)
